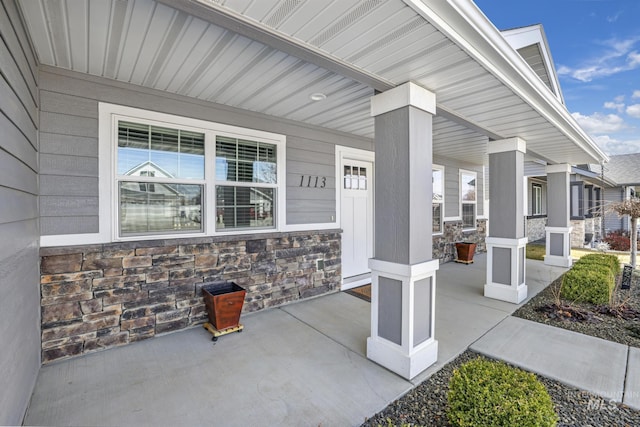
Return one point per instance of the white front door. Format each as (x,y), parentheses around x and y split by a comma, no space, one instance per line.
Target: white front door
(356,217)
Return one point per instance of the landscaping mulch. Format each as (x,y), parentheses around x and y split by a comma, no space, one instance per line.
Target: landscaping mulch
(619,323)
(426,404)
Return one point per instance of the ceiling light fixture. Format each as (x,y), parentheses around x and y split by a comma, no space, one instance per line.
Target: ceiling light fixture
(318,96)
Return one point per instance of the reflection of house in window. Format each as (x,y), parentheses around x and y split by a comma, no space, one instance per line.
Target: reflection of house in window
(148,187)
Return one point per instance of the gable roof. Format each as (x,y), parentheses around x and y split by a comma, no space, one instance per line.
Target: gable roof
(531,43)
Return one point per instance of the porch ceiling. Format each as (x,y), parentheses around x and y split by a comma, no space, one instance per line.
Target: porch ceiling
(207,49)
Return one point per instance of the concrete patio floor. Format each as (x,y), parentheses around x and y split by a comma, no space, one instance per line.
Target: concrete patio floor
(301,364)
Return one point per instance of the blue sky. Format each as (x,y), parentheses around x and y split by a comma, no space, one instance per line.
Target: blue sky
(595,45)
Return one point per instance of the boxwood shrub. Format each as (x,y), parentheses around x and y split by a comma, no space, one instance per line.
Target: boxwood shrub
(592,279)
(607,260)
(488,393)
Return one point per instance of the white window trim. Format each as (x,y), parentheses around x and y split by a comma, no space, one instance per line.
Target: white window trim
(475,202)
(107,210)
(536,188)
(440,168)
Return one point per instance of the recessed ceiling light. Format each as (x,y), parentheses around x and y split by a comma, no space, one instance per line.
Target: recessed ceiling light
(318,96)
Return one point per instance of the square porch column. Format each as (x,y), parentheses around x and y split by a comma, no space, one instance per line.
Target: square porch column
(507,241)
(403,275)
(558,230)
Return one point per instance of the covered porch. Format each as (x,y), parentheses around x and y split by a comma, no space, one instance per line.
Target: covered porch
(303,363)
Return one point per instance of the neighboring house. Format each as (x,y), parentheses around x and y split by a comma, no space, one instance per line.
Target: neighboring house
(587,189)
(313,146)
(591,188)
(624,172)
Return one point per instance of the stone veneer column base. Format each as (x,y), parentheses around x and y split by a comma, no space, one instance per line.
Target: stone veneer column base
(406,358)
(561,256)
(516,290)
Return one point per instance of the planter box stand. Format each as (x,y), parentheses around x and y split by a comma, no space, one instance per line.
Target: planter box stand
(216,333)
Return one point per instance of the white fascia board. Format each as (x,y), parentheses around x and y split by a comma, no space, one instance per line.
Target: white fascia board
(464,23)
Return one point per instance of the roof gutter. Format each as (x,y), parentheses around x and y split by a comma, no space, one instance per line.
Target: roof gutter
(465,24)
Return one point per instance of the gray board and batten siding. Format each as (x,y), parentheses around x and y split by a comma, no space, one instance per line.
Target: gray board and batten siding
(19,277)
(69,139)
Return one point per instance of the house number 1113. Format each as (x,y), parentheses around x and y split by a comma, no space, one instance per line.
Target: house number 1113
(313,181)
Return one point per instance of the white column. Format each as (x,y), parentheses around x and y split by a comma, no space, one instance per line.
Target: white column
(403,274)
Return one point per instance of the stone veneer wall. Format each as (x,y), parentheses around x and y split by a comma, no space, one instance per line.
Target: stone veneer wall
(99,296)
(536,228)
(577,233)
(444,245)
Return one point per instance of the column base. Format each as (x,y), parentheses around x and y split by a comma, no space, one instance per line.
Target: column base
(506,269)
(505,292)
(392,357)
(403,316)
(558,261)
(558,247)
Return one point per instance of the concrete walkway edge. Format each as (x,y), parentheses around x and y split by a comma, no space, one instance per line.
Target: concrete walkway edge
(604,368)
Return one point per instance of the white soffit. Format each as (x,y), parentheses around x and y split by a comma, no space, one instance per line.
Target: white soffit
(345,49)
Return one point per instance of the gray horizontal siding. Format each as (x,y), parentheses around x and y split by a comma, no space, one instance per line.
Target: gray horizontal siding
(19,272)
(60,224)
(307,160)
(69,139)
(68,145)
(67,186)
(534,169)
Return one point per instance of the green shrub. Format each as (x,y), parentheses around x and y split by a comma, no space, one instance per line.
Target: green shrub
(487,393)
(610,261)
(591,284)
(592,279)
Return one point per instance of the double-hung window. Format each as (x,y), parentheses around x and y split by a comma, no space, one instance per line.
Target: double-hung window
(468,195)
(173,175)
(160,179)
(437,181)
(246,183)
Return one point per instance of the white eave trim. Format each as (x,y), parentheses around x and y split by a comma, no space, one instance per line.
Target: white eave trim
(477,36)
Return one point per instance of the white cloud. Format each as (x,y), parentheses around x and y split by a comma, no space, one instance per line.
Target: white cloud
(620,98)
(613,18)
(599,123)
(634,110)
(618,56)
(619,107)
(636,94)
(613,146)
